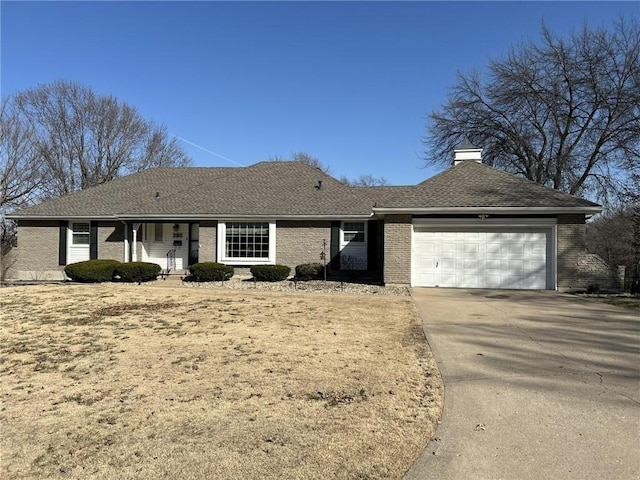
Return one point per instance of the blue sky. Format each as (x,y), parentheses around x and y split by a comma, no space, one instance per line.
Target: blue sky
(348,82)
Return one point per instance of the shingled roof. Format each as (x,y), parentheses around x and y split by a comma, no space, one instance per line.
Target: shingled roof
(470,185)
(294,189)
(116,196)
(276,189)
(263,189)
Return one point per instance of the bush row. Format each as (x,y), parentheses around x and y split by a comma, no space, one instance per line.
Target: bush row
(217,272)
(95,271)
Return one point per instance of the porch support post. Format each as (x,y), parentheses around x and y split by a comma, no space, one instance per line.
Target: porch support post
(125,243)
(134,246)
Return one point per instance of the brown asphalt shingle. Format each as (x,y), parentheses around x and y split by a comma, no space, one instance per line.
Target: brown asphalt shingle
(472,184)
(291,189)
(116,196)
(267,188)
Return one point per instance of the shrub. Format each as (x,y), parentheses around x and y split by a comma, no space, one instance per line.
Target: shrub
(211,272)
(92,271)
(138,271)
(593,288)
(270,273)
(309,271)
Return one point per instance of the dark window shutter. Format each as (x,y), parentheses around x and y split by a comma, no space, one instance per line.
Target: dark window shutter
(62,242)
(372,245)
(190,251)
(93,240)
(334,264)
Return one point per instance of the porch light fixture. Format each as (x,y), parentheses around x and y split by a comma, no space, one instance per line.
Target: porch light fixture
(176,227)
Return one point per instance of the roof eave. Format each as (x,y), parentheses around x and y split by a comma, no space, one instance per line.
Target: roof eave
(62,217)
(586,210)
(228,216)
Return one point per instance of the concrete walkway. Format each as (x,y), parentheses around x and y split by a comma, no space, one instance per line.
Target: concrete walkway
(538,385)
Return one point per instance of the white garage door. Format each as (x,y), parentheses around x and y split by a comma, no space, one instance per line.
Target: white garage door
(518,258)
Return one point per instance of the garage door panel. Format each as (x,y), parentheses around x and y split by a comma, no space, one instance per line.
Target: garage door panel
(516,266)
(470,263)
(470,248)
(471,281)
(515,249)
(447,263)
(492,265)
(538,248)
(492,281)
(482,259)
(513,281)
(427,279)
(448,248)
(493,249)
(447,280)
(537,282)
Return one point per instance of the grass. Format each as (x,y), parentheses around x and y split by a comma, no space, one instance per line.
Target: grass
(631,303)
(125,381)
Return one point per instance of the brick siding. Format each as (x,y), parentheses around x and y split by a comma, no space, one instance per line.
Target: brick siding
(397,244)
(300,242)
(577,268)
(111,240)
(36,256)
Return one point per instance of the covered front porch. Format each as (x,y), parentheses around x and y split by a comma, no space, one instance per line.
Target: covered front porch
(172,245)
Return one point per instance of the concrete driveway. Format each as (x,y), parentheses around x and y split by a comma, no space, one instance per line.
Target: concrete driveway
(538,385)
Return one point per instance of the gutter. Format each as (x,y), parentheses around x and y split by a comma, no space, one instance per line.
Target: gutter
(110,218)
(487,210)
(179,218)
(227,216)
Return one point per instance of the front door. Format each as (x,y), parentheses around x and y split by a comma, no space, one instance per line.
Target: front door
(166,244)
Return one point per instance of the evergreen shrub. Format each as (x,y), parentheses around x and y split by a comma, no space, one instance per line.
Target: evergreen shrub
(270,273)
(138,271)
(309,271)
(211,272)
(92,271)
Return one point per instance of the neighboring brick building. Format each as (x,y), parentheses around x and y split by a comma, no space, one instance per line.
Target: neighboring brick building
(471,226)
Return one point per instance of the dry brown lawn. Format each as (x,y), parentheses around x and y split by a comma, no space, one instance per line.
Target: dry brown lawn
(144,382)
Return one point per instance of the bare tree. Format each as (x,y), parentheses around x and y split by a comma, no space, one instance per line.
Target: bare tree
(633,200)
(84,139)
(561,112)
(366,180)
(20,173)
(61,137)
(614,236)
(303,157)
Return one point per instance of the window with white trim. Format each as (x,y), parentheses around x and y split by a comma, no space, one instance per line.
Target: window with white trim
(153,232)
(80,234)
(246,242)
(157,236)
(353,232)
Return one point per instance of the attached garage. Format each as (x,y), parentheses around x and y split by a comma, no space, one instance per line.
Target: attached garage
(485,254)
